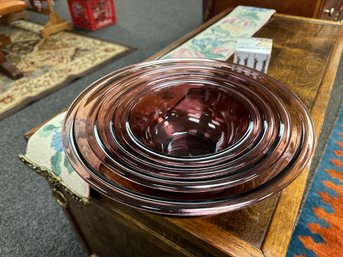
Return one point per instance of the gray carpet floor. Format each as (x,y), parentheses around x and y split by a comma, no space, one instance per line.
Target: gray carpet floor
(31,223)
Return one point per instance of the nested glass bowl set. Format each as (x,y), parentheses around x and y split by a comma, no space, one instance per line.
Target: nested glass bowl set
(188,137)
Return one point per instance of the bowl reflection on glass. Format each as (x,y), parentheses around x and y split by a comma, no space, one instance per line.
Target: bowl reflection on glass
(188,137)
(188,120)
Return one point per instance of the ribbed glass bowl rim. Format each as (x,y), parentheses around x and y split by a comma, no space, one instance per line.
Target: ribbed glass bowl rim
(187,208)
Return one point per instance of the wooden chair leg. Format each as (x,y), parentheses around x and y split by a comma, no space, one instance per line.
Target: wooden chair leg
(4,41)
(9,69)
(55,23)
(8,18)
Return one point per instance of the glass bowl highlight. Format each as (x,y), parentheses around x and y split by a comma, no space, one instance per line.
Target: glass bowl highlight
(188,137)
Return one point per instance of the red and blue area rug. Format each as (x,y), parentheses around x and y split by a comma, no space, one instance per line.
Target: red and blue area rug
(319,231)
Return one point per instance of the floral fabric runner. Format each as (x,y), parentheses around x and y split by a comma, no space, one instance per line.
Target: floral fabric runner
(216,42)
(219,40)
(45,151)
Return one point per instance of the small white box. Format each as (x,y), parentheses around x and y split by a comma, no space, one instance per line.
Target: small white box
(254,53)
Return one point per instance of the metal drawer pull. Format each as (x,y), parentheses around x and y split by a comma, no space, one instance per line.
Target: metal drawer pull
(329,11)
(60,198)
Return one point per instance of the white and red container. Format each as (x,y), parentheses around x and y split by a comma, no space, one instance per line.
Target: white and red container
(92,14)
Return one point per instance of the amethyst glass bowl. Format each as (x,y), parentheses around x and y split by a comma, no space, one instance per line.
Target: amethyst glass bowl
(188,137)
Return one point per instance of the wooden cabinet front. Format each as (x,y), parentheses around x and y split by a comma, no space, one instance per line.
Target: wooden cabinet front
(324,9)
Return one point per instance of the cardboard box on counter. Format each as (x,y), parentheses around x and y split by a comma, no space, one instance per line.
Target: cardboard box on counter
(254,53)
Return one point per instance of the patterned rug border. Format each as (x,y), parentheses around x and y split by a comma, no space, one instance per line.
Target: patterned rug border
(70,78)
(306,240)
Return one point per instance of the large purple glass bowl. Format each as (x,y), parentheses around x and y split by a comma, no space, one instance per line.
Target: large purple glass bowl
(188,137)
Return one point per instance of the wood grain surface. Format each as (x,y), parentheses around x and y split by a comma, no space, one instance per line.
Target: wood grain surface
(249,224)
(300,55)
(11,6)
(283,222)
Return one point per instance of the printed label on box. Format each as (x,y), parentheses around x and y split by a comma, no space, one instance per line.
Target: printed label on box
(254,53)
